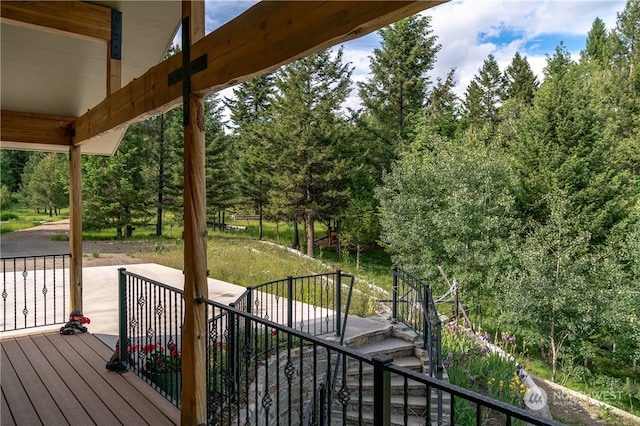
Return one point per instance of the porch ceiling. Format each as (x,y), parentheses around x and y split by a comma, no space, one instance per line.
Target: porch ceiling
(55,66)
(64,73)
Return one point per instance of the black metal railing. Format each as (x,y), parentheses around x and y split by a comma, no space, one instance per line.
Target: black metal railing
(151,313)
(150,321)
(34,291)
(286,374)
(261,372)
(413,305)
(315,304)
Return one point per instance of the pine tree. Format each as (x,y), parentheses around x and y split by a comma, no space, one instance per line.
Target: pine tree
(45,182)
(116,193)
(221,189)
(398,87)
(597,47)
(520,81)
(306,133)
(484,95)
(251,113)
(443,106)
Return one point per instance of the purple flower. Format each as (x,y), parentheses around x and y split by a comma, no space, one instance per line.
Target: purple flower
(511,339)
(447,360)
(486,337)
(471,378)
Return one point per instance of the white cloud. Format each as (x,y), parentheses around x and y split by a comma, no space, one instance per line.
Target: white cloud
(470,30)
(460,24)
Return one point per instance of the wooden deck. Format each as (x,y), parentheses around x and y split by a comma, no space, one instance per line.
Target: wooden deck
(50,379)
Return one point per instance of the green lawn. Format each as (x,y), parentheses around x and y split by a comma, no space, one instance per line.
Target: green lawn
(21,218)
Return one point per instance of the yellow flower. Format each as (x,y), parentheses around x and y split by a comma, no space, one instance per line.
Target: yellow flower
(501,383)
(491,381)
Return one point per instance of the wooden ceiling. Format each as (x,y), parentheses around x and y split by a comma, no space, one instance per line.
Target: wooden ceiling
(58,79)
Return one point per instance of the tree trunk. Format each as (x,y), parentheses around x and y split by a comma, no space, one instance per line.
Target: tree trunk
(358,256)
(260,219)
(296,236)
(310,235)
(554,356)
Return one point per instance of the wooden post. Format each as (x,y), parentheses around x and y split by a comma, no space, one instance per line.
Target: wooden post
(75,228)
(194,404)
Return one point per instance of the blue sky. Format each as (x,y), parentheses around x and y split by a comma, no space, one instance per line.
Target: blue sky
(470,30)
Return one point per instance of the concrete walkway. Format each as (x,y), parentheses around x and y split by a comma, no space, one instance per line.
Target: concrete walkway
(101,293)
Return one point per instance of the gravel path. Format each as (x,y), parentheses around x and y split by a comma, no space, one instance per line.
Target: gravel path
(39,240)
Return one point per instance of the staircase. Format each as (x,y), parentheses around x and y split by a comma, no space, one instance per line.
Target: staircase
(405,348)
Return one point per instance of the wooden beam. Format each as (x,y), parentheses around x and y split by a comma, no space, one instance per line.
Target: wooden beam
(75,229)
(35,128)
(72,18)
(194,362)
(260,40)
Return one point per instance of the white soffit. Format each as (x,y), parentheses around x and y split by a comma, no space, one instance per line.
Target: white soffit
(47,73)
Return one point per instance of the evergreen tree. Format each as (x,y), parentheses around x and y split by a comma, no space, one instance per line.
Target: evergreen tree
(484,96)
(306,135)
(520,81)
(116,194)
(221,190)
(443,107)
(161,148)
(625,41)
(45,182)
(252,101)
(597,47)
(398,87)
(251,113)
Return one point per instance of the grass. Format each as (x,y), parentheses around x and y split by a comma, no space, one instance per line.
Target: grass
(20,218)
(237,257)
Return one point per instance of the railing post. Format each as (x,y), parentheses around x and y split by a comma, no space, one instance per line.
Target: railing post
(381,390)
(338,302)
(289,301)
(247,321)
(322,404)
(394,306)
(122,312)
(233,347)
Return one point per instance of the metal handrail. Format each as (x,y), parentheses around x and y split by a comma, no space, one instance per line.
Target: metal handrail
(32,284)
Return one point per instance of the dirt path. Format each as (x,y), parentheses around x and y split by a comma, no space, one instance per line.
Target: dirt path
(39,240)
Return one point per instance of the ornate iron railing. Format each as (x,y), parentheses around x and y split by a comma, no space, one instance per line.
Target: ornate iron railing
(34,291)
(314,304)
(150,321)
(261,372)
(413,305)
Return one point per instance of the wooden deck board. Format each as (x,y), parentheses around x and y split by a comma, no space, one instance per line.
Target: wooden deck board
(34,387)
(5,414)
(52,379)
(21,409)
(68,403)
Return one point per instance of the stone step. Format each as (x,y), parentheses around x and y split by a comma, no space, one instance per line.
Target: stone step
(408,362)
(353,418)
(392,346)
